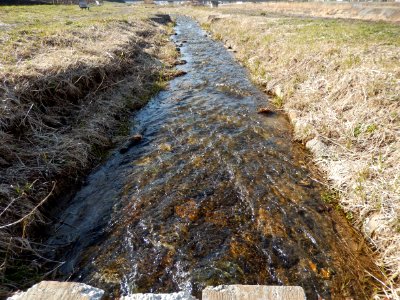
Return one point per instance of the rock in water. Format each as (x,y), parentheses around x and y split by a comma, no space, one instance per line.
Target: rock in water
(54,290)
(180,62)
(179,73)
(265,110)
(133,140)
(136,138)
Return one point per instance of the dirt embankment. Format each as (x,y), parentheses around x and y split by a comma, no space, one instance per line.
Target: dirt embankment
(362,11)
(339,82)
(67,88)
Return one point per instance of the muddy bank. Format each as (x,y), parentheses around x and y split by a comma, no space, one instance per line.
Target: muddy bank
(62,108)
(338,80)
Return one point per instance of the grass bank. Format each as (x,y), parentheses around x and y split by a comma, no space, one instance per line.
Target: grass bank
(69,80)
(372,11)
(339,82)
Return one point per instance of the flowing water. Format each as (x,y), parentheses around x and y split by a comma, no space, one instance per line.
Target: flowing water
(213,194)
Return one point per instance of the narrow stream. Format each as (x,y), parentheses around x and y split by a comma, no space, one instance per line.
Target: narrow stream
(214,194)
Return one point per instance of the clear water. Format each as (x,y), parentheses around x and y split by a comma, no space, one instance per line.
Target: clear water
(214,194)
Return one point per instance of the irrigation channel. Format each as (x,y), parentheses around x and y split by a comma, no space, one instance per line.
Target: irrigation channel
(214,193)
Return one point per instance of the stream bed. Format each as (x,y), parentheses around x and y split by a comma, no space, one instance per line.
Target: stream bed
(214,193)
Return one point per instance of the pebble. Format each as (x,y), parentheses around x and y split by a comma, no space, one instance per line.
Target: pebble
(180,73)
(180,62)
(133,140)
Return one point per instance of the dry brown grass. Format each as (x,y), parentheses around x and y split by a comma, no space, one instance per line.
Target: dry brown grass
(339,82)
(381,11)
(66,94)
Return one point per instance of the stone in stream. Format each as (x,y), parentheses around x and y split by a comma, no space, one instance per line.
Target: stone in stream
(179,73)
(54,290)
(253,292)
(284,252)
(265,110)
(133,140)
(180,62)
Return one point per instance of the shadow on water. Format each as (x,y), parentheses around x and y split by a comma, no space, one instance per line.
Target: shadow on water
(214,194)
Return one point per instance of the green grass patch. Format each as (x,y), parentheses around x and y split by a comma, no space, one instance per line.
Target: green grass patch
(278,101)
(330,196)
(342,31)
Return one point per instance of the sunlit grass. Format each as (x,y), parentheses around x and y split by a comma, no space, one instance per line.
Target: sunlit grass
(26,30)
(69,80)
(339,82)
